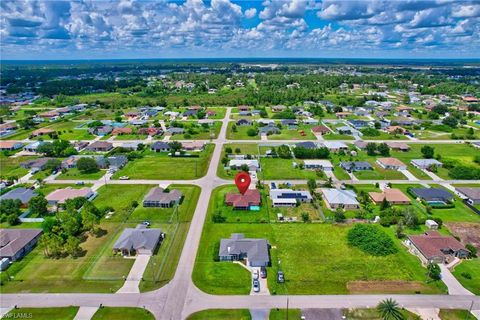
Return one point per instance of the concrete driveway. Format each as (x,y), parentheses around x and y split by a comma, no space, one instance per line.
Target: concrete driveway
(135,275)
(454,287)
(409,175)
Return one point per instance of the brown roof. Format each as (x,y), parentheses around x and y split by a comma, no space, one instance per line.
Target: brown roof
(398,145)
(391,162)
(250,198)
(100,145)
(392,195)
(42,131)
(431,244)
(320,128)
(7,144)
(118,131)
(392,129)
(402,107)
(7,126)
(13,240)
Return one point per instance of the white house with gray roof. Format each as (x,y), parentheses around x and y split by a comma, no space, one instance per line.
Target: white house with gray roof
(237,247)
(337,198)
(425,163)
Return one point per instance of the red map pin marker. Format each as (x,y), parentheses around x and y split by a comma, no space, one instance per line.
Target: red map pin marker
(242,180)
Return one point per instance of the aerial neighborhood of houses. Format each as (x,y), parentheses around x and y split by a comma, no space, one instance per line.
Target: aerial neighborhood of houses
(369,187)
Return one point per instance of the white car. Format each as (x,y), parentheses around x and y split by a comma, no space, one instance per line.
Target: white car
(255,274)
(256,286)
(124,178)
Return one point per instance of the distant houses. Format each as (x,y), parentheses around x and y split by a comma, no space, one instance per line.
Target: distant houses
(252,164)
(355,165)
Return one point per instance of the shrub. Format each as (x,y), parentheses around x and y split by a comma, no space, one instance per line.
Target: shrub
(371,239)
(466,275)
(473,250)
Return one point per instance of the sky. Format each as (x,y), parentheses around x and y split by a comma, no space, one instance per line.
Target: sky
(134,29)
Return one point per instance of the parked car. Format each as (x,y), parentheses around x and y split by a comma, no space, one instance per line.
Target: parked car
(280,277)
(255,274)
(263,272)
(34,170)
(79,183)
(146,223)
(124,178)
(256,286)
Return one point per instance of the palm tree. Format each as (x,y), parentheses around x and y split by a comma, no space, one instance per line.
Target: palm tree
(389,310)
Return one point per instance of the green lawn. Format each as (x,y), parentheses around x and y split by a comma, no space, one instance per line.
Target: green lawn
(122,313)
(70,130)
(241,133)
(471,267)
(221,314)
(316,259)
(45,188)
(132,136)
(66,313)
(446,314)
(202,133)
(294,134)
(281,314)
(378,173)
(372,314)
(277,168)
(161,166)
(336,136)
(75,174)
(11,166)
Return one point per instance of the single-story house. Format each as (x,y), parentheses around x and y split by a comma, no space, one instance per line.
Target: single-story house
(120,131)
(237,247)
(80,145)
(310,121)
(160,146)
(289,197)
(392,195)
(344,130)
(343,115)
(270,129)
(252,164)
(400,146)
(22,194)
(360,144)
(395,129)
(432,247)
(278,108)
(35,163)
(245,113)
(306,145)
(139,240)
(432,195)
(193,145)
(425,163)
(158,198)
(100,146)
(150,131)
(33,147)
(10,145)
(355,165)
(117,161)
(101,130)
(243,122)
(391,164)
(243,108)
(324,165)
(335,146)
(16,243)
(337,198)
(71,162)
(59,196)
(321,129)
(358,124)
(289,122)
(175,130)
(41,132)
(190,112)
(243,201)
(471,194)
(266,122)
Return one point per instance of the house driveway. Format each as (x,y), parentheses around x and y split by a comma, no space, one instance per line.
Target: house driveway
(454,287)
(409,175)
(85,313)
(135,275)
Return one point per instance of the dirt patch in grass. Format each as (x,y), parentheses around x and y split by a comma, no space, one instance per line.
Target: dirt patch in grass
(361,287)
(467,232)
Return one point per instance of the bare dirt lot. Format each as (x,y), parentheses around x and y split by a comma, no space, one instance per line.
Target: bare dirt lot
(468,232)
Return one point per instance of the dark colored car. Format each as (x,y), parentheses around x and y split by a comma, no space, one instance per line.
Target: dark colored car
(280,277)
(263,272)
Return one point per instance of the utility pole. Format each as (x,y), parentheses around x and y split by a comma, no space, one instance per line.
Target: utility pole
(287,309)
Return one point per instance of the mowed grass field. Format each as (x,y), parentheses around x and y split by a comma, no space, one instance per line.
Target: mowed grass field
(315,258)
(221,314)
(161,166)
(66,313)
(471,267)
(276,168)
(122,313)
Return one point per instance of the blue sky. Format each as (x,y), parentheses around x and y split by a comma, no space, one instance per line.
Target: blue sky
(105,29)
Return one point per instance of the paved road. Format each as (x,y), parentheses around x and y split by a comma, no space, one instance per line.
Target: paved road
(180,297)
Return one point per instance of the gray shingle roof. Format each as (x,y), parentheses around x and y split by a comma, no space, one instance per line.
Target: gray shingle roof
(432,194)
(22,194)
(138,238)
(254,249)
(13,240)
(158,194)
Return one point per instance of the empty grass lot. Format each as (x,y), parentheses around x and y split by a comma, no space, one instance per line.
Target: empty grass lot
(276,168)
(247,148)
(241,133)
(203,133)
(471,267)
(372,314)
(446,314)
(122,313)
(161,166)
(67,313)
(220,314)
(68,130)
(11,166)
(286,134)
(316,259)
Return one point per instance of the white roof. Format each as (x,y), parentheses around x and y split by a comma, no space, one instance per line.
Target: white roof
(335,145)
(426,162)
(239,162)
(338,196)
(323,163)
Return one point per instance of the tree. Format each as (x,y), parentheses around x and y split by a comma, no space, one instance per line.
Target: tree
(383,149)
(399,230)
(90,217)
(252,132)
(284,152)
(244,167)
(434,271)
(428,151)
(51,165)
(72,246)
(87,165)
(237,150)
(339,215)
(305,217)
(38,206)
(228,150)
(385,204)
(473,250)
(371,148)
(410,218)
(450,121)
(389,310)
(175,146)
(312,184)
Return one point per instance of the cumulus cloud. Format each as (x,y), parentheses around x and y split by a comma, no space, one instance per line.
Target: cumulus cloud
(131,27)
